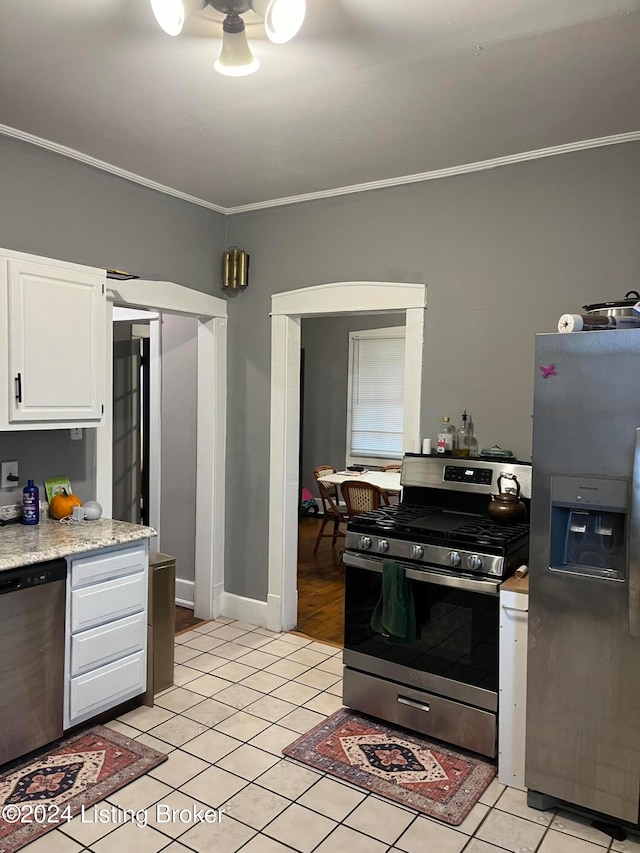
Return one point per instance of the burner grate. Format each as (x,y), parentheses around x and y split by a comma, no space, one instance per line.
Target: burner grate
(486,532)
(408,520)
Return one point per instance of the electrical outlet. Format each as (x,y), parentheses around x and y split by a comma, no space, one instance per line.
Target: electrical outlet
(76,433)
(9,475)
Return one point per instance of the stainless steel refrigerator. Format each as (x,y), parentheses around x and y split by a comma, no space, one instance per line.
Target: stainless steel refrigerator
(583,690)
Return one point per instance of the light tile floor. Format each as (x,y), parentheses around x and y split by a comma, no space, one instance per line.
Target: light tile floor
(241,694)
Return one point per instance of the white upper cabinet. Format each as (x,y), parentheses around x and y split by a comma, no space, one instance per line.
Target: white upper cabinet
(52,346)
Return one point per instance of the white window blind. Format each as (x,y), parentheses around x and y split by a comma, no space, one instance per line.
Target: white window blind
(376,393)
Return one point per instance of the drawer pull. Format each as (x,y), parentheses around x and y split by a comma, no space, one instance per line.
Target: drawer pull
(413,703)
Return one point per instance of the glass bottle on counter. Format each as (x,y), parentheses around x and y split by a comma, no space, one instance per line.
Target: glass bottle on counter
(473,446)
(446,436)
(463,438)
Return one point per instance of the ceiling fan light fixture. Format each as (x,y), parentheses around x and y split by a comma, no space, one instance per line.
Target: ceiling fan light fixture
(171,14)
(236,59)
(282,18)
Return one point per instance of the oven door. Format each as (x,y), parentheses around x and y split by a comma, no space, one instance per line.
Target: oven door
(455,653)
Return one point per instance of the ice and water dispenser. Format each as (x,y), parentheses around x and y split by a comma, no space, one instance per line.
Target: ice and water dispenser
(588,526)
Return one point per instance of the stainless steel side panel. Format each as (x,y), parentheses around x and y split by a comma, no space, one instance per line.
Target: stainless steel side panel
(420,711)
(31,668)
(583,696)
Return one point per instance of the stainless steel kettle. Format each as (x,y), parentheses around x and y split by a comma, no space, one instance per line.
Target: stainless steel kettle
(507,506)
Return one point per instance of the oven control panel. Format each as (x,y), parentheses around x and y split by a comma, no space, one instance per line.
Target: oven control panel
(490,565)
(464,474)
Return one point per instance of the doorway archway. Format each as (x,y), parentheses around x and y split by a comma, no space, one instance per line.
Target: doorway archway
(211,313)
(287,311)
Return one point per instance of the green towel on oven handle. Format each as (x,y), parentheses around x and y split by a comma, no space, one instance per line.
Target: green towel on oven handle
(394,614)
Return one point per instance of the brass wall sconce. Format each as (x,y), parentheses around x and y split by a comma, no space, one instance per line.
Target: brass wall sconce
(235,270)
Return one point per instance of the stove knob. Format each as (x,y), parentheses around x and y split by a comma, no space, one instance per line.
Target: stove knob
(474,562)
(365,542)
(454,558)
(383,545)
(417,551)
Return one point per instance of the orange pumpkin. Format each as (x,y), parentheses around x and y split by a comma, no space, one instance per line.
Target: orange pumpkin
(62,505)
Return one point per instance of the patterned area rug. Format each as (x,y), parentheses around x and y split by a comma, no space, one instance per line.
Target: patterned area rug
(431,777)
(59,782)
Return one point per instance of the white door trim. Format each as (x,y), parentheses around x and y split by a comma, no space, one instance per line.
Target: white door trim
(211,420)
(287,309)
(152,319)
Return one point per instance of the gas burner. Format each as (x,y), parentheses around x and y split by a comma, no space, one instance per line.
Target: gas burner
(487,532)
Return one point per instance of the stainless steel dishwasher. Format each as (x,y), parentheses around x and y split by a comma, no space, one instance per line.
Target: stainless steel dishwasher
(32,615)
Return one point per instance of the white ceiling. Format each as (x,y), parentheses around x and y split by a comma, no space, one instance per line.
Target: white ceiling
(369,90)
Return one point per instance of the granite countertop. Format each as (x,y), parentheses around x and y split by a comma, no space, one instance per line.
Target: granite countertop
(22,545)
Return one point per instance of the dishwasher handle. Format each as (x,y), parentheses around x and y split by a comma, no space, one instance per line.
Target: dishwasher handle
(36,574)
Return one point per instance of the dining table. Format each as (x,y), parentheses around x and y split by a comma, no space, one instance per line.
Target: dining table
(387,480)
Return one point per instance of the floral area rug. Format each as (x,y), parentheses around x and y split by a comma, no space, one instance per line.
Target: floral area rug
(57,783)
(427,775)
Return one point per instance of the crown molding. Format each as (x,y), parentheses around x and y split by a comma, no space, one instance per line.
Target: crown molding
(64,151)
(465,169)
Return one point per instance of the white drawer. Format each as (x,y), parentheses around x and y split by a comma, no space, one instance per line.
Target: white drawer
(107,565)
(106,687)
(103,602)
(106,643)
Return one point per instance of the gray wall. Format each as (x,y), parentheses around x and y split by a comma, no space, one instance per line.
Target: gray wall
(326,346)
(179,398)
(59,208)
(49,453)
(503,252)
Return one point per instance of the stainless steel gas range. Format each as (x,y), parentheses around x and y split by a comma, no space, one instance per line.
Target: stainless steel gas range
(442,680)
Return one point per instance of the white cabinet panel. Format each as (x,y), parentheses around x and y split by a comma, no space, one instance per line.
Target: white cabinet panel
(513,688)
(108,565)
(106,643)
(52,342)
(104,602)
(106,647)
(107,686)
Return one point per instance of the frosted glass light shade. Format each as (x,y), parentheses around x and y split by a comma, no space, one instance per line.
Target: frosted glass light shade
(282,18)
(171,14)
(236,59)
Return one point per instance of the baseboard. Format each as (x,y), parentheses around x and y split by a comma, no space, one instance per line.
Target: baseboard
(245,609)
(185,592)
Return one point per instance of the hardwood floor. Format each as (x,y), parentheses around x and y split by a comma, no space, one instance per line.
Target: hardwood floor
(320,589)
(185,620)
(320,585)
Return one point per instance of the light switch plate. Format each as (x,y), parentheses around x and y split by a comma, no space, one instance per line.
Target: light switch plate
(8,469)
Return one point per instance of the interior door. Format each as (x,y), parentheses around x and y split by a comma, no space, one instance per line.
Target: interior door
(127,413)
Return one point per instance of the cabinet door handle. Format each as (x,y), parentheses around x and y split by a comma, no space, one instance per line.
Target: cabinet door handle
(18,384)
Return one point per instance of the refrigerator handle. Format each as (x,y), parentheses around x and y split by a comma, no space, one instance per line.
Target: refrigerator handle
(634,544)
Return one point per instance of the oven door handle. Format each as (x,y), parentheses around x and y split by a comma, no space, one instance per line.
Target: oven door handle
(487,586)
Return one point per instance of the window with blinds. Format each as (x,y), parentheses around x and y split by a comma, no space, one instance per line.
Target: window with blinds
(375,394)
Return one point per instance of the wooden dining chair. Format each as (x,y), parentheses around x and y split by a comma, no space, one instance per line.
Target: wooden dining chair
(362,497)
(324,471)
(396,467)
(331,513)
